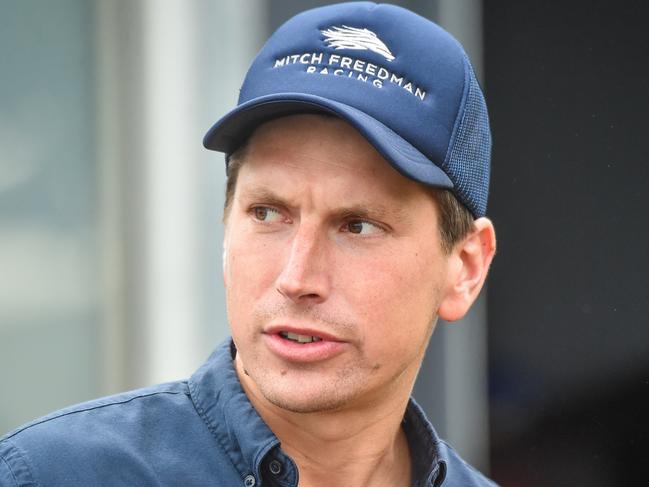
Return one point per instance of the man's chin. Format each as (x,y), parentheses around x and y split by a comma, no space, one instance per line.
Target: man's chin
(311,394)
(296,403)
(299,391)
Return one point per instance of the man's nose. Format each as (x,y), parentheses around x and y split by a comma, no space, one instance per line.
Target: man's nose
(305,274)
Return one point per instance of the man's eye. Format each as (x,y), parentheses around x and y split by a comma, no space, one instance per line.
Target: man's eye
(265,214)
(362,227)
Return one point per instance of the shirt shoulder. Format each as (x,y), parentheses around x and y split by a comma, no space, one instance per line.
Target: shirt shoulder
(128,435)
(92,408)
(458,472)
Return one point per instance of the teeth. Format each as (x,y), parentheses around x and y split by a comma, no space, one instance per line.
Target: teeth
(299,338)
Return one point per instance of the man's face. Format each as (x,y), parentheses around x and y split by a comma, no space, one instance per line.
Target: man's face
(325,239)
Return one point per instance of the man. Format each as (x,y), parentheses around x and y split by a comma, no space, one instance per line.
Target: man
(358,165)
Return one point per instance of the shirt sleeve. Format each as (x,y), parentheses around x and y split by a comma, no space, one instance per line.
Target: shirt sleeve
(14,471)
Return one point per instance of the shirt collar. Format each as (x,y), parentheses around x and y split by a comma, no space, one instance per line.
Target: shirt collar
(428,455)
(224,407)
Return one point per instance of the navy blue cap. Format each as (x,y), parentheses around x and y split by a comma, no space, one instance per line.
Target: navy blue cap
(402,81)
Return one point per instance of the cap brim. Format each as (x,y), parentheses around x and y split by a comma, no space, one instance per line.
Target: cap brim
(230,131)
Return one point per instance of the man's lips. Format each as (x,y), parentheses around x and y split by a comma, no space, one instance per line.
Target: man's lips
(282,329)
(302,344)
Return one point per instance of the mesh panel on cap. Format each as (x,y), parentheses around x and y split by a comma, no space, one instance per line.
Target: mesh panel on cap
(467,163)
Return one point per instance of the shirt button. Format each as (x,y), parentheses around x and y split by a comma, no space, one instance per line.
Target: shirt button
(275,467)
(249,481)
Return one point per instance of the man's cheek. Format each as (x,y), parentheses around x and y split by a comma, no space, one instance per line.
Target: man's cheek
(250,276)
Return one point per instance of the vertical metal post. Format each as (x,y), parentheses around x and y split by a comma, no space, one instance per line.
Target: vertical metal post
(164,76)
(116,86)
(452,386)
(170,136)
(466,346)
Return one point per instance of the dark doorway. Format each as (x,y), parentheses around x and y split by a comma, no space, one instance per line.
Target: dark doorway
(568,90)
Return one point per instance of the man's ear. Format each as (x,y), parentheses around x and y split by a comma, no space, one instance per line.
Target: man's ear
(468,266)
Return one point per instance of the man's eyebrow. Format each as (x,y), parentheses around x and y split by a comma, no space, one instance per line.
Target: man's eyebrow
(264,195)
(364,210)
(373,211)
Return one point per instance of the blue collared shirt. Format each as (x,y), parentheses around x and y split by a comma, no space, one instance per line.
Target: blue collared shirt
(200,432)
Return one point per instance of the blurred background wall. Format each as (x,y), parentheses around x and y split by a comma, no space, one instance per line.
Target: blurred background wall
(110,208)
(50,214)
(110,233)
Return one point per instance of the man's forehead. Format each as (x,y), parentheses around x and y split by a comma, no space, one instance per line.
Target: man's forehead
(314,146)
(314,138)
(296,157)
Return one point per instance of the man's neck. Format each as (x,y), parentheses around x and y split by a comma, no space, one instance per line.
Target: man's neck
(376,455)
(354,446)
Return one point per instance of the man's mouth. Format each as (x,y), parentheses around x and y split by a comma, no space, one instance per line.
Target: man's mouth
(303,344)
(295,337)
